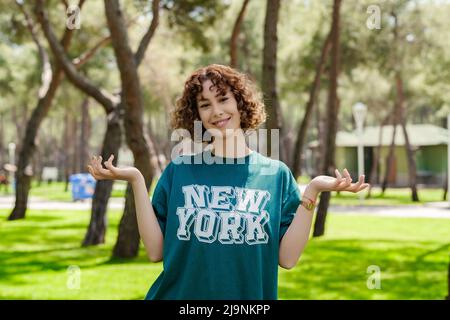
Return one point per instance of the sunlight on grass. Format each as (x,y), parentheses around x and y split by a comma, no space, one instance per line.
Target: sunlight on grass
(412,254)
(37,252)
(400,196)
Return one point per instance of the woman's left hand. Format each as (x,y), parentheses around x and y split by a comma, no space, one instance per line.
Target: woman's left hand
(340,183)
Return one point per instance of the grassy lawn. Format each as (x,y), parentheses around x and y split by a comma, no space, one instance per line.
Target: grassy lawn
(392,197)
(412,255)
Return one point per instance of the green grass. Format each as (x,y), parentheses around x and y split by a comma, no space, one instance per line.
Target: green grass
(392,197)
(56,191)
(36,253)
(411,253)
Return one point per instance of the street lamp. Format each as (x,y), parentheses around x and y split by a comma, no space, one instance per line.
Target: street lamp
(359,113)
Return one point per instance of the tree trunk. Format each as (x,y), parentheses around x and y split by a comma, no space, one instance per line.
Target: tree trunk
(98,223)
(155,150)
(235,35)
(84,136)
(332,122)
(67,142)
(37,161)
(269,82)
(130,93)
(127,244)
(49,85)
(23,181)
(412,172)
(301,135)
(75,145)
(444,198)
(17,123)
(321,139)
(373,172)
(390,157)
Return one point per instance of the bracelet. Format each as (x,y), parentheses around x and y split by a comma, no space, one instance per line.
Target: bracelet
(309,204)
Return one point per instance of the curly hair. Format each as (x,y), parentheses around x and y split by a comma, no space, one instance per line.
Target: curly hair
(249,99)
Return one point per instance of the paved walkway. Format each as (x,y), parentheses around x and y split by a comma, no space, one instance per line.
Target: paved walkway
(428,210)
(7,202)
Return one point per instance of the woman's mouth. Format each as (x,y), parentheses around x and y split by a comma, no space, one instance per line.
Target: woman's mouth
(221,123)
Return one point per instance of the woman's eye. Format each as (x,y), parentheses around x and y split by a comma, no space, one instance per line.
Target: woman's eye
(223,99)
(204,105)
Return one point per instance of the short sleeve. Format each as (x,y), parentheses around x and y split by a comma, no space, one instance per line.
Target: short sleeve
(291,201)
(160,197)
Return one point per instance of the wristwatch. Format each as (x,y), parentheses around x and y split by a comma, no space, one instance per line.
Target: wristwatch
(309,204)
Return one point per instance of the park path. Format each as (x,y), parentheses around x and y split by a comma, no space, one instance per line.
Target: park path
(35,203)
(427,210)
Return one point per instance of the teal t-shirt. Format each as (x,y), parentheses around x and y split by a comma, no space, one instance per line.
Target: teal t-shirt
(222,224)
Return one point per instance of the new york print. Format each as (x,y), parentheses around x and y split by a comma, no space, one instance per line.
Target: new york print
(230,215)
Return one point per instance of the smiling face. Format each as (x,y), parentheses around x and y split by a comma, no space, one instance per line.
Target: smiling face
(218,111)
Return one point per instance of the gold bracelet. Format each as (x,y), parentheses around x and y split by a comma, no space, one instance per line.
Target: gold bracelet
(309,204)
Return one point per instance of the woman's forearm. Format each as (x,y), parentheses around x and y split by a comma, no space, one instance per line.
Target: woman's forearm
(148,225)
(297,235)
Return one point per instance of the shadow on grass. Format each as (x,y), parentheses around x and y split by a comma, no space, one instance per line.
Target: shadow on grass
(115,260)
(48,242)
(338,269)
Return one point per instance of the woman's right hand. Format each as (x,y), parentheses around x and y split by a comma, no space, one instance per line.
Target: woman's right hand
(111,172)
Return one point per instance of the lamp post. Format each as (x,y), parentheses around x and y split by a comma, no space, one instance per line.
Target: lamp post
(12,161)
(359,113)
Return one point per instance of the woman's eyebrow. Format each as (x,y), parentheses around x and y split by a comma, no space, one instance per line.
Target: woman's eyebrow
(202,98)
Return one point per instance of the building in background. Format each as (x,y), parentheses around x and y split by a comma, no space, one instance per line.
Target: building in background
(429,143)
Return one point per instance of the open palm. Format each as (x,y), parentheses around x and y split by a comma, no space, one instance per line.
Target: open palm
(340,183)
(111,172)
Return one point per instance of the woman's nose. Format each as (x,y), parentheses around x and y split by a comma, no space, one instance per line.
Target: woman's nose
(217,109)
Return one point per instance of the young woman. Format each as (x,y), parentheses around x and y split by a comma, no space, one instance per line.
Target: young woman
(223,220)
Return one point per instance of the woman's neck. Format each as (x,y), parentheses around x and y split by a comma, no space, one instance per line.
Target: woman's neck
(233,146)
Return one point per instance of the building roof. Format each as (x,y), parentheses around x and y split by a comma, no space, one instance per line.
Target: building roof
(419,135)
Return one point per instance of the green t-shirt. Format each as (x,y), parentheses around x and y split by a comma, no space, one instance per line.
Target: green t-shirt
(222,224)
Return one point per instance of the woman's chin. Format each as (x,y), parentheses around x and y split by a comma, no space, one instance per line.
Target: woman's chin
(225,132)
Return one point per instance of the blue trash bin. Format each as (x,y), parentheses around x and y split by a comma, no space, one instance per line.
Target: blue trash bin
(83,186)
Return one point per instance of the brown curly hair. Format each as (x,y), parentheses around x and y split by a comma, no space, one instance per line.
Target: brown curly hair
(248,97)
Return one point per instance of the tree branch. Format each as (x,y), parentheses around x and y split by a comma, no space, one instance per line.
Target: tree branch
(67,36)
(81,82)
(65,3)
(84,57)
(235,35)
(47,73)
(140,53)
